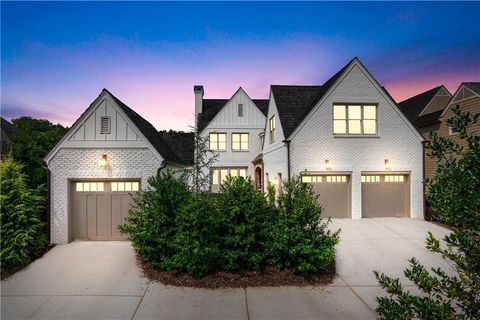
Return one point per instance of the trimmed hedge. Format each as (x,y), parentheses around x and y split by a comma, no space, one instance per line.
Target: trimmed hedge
(238,228)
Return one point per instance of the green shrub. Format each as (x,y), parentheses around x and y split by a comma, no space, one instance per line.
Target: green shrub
(454,194)
(151,223)
(246,230)
(301,240)
(23,234)
(198,237)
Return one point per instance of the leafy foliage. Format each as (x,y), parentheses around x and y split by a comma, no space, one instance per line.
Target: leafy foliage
(301,239)
(31,143)
(23,232)
(454,193)
(238,228)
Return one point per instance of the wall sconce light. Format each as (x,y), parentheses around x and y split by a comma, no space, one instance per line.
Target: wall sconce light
(386,164)
(103,161)
(328,165)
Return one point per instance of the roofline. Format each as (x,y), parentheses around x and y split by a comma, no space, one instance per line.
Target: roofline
(456,92)
(439,87)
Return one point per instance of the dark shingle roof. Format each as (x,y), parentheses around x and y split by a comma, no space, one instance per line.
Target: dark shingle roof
(474,86)
(413,106)
(182,143)
(7,129)
(211,107)
(429,118)
(295,102)
(149,131)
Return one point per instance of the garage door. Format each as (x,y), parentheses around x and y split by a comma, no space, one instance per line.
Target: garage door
(385,195)
(98,207)
(334,194)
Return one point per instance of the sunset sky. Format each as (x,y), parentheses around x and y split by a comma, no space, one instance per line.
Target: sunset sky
(56,57)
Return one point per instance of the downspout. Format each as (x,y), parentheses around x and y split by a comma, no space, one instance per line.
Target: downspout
(424,143)
(164,164)
(287,142)
(49,223)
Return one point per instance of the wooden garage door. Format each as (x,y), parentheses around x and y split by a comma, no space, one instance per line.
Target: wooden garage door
(98,207)
(334,194)
(385,195)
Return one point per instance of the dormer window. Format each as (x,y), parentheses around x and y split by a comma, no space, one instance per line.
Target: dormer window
(104,125)
(240,110)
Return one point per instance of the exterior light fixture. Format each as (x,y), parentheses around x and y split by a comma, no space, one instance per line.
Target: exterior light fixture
(103,161)
(386,164)
(328,164)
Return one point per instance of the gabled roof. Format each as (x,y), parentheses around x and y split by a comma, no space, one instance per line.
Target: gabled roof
(413,107)
(182,143)
(294,102)
(7,129)
(429,118)
(211,107)
(474,86)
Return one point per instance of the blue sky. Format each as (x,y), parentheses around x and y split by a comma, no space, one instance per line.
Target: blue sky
(56,57)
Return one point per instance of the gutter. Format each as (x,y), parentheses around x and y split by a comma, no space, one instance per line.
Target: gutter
(287,143)
(49,223)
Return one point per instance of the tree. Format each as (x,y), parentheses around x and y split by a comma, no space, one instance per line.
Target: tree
(21,207)
(454,193)
(34,139)
(203,159)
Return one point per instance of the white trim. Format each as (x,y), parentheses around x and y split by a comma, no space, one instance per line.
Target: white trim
(356,62)
(459,101)
(93,106)
(436,94)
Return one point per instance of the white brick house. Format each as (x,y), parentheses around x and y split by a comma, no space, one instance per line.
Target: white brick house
(109,152)
(347,137)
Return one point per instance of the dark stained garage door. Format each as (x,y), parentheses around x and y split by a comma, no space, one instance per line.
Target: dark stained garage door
(98,207)
(334,192)
(385,195)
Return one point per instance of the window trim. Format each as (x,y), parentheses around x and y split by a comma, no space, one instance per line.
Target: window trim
(217,133)
(272,131)
(109,125)
(362,105)
(248,142)
(450,131)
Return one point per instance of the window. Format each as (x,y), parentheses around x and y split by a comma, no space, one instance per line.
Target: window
(336,179)
(239,141)
(394,178)
(240,110)
(355,119)
(272,129)
(310,179)
(219,175)
(452,130)
(89,187)
(218,141)
(369,179)
(104,125)
(119,186)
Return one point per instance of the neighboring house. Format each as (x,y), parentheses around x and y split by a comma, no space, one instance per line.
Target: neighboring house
(234,128)
(347,137)
(107,154)
(430,110)
(7,130)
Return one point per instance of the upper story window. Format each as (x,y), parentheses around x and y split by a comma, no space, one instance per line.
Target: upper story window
(104,125)
(239,141)
(218,141)
(355,119)
(272,129)
(240,110)
(452,130)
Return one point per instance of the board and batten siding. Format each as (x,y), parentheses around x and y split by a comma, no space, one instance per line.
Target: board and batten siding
(471,105)
(227,121)
(313,141)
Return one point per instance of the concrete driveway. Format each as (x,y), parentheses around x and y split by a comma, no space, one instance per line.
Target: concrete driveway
(100,280)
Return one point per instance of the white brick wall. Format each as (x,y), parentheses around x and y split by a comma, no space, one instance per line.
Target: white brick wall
(396,141)
(70,164)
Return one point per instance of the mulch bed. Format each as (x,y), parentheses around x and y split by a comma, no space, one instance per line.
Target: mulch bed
(8,273)
(269,277)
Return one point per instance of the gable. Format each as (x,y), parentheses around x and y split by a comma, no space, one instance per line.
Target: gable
(438,102)
(356,85)
(228,115)
(466,91)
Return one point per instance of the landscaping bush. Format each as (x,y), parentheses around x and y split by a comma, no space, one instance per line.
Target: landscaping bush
(23,234)
(151,223)
(454,194)
(301,240)
(247,225)
(238,228)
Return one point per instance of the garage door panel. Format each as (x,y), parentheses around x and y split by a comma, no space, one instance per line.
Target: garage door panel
(387,197)
(333,196)
(104,217)
(80,218)
(91,216)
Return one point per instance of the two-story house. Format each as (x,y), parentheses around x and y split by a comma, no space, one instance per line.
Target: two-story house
(347,137)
